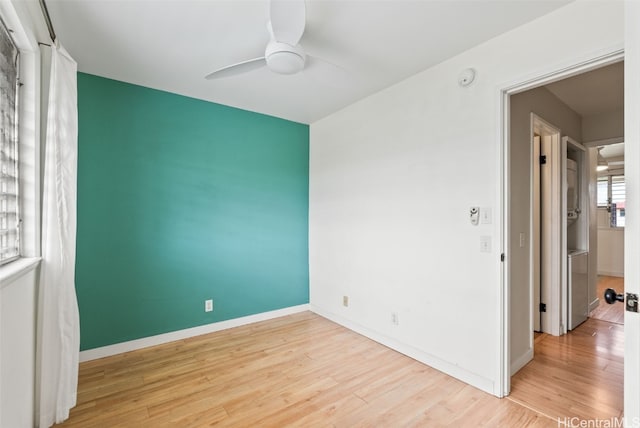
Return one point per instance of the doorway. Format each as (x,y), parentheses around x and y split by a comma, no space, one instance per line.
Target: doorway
(547,231)
(556,117)
(611,210)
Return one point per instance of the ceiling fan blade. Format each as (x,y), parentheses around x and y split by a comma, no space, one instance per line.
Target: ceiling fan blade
(328,73)
(239,68)
(287,20)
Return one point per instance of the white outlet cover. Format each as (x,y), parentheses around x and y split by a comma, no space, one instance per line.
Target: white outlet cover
(485,215)
(485,244)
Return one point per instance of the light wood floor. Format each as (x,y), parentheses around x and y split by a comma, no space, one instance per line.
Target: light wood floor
(604,311)
(576,375)
(303,370)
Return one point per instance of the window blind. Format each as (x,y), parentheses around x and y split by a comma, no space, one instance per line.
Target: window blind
(9,202)
(617,189)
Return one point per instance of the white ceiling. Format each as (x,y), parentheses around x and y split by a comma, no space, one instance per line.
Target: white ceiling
(600,91)
(596,92)
(172,44)
(613,150)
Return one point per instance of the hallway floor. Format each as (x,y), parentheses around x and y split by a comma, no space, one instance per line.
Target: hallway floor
(606,312)
(576,375)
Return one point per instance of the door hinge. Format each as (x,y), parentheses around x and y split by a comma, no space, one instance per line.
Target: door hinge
(502,257)
(543,159)
(543,307)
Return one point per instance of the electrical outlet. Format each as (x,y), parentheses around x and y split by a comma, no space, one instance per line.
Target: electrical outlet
(485,244)
(345,301)
(208,305)
(394,318)
(522,240)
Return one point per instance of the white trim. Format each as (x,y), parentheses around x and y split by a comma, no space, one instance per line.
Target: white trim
(145,342)
(528,81)
(503,386)
(571,68)
(552,224)
(522,361)
(575,144)
(535,318)
(485,384)
(12,271)
(593,305)
(632,204)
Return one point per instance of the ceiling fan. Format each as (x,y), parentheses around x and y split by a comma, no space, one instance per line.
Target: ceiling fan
(283,54)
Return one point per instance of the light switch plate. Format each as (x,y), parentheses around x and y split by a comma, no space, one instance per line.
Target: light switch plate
(485,244)
(485,215)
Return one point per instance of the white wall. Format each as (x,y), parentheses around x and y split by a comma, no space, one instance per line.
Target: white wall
(17,360)
(611,252)
(392,178)
(18,279)
(610,246)
(547,106)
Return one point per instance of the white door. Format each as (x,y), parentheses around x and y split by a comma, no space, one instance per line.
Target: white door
(535,234)
(632,224)
(551,233)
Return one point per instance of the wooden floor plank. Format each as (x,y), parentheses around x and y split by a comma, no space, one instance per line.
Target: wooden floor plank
(576,375)
(305,371)
(606,312)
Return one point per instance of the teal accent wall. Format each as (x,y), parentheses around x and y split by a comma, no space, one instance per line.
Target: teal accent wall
(182,200)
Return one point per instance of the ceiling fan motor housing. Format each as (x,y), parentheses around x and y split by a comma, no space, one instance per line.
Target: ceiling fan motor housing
(283,58)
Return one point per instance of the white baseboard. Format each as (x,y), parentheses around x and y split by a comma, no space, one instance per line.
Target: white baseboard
(521,361)
(145,342)
(472,379)
(594,304)
(609,273)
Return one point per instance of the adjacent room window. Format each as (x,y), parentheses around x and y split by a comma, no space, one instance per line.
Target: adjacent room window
(9,206)
(603,191)
(611,195)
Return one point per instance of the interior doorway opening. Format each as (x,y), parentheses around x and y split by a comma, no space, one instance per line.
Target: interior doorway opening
(552,234)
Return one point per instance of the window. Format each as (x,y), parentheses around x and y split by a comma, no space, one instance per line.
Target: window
(617,200)
(611,195)
(9,206)
(603,191)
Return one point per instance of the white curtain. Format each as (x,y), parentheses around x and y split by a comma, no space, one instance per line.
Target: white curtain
(58,319)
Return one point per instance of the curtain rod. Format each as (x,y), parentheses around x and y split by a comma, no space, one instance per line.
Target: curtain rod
(47,19)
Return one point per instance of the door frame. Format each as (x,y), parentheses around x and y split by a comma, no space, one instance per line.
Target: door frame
(505,91)
(632,227)
(553,224)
